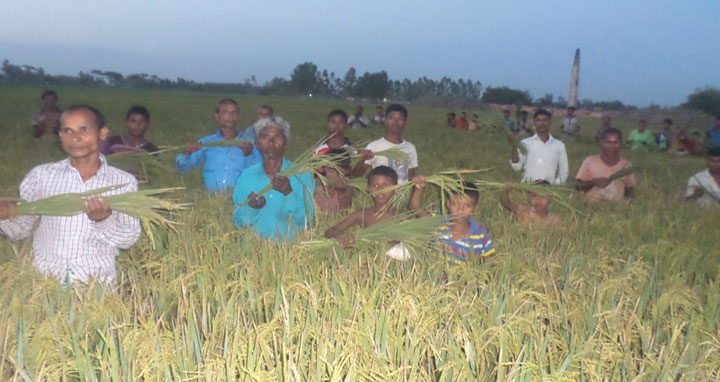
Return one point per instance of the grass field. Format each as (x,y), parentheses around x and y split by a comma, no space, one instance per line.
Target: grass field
(624,291)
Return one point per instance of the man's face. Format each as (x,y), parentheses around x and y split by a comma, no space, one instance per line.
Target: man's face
(376,184)
(461,206)
(605,120)
(271,142)
(713,164)
(542,124)
(136,125)
(642,125)
(336,124)
(263,112)
(611,144)
(50,101)
(570,113)
(358,110)
(227,116)
(395,122)
(80,135)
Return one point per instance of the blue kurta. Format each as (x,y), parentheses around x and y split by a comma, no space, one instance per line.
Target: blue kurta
(282,215)
(223,165)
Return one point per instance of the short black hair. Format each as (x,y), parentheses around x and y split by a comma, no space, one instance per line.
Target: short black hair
(713,152)
(397,107)
(48,92)
(524,112)
(468,189)
(268,108)
(668,121)
(611,131)
(340,157)
(571,108)
(540,112)
(383,171)
(225,101)
(99,117)
(339,112)
(137,109)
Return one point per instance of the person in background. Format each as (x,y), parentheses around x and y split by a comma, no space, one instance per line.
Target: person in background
(570,128)
(221,165)
(664,137)
(461,123)
(137,121)
(451,119)
(593,178)
(46,121)
(605,122)
(262,112)
(682,144)
(358,120)
(713,134)
(81,247)
(335,194)
(509,122)
(546,157)
(704,187)
(536,212)
(525,126)
(379,117)
(395,122)
(641,137)
(473,124)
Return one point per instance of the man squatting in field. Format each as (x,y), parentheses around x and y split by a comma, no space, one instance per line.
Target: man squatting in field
(222,165)
(704,187)
(83,246)
(594,173)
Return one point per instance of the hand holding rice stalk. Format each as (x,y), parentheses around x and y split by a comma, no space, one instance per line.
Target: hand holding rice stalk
(394,154)
(555,193)
(414,232)
(306,162)
(621,173)
(449,181)
(140,204)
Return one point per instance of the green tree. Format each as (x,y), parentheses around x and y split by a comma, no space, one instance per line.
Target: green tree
(706,100)
(373,85)
(305,78)
(506,96)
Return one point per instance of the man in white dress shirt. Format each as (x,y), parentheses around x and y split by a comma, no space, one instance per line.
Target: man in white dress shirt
(83,246)
(546,158)
(704,187)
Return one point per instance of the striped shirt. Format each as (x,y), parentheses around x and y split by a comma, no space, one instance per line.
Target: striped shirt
(477,243)
(74,247)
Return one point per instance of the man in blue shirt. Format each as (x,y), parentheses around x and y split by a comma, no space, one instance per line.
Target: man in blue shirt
(713,135)
(288,207)
(222,165)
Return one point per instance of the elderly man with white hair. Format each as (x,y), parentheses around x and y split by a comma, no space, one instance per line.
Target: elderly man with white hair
(288,207)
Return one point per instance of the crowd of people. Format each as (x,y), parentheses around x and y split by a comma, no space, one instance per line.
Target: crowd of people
(84,246)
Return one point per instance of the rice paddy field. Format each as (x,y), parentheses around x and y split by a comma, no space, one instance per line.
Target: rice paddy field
(619,292)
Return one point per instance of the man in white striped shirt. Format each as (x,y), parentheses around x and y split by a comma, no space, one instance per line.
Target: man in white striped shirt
(83,246)
(546,158)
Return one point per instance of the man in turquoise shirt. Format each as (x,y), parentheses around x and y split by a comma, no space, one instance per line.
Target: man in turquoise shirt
(222,165)
(288,207)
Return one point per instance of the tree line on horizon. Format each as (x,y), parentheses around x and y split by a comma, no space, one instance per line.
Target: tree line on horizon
(307,79)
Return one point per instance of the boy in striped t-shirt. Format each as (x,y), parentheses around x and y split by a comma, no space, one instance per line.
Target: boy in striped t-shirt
(462,237)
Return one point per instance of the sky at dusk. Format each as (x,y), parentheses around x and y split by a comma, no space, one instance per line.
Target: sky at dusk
(639,52)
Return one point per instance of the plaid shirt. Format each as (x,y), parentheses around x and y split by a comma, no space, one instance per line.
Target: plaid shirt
(74,247)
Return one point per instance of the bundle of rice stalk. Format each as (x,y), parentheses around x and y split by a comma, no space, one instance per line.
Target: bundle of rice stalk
(622,172)
(140,204)
(414,232)
(449,181)
(555,193)
(139,162)
(394,154)
(307,162)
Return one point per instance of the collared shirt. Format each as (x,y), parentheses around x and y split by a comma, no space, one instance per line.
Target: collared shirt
(543,160)
(477,243)
(74,247)
(282,216)
(223,165)
(711,195)
(570,125)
